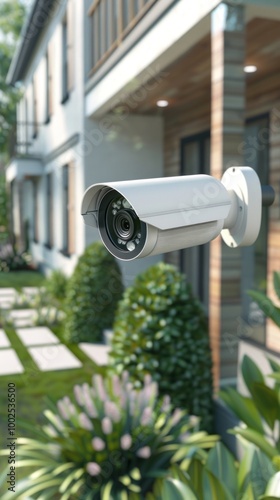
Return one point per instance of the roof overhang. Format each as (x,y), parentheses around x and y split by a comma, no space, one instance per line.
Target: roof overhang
(186,22)
(30,34)
(20,169)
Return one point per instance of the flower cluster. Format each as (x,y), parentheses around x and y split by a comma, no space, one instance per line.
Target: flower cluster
(109,440)
(123,436)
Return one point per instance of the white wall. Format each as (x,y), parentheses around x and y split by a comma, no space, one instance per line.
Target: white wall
(122,148)
(67,118)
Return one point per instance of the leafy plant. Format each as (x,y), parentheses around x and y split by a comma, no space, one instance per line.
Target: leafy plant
(260,411)
(221,477)
(112,442)
(56,286)
(268,307)
(93,292)
(10,260)
(161,329)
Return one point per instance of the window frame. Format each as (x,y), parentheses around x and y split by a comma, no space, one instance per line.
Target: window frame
(68,209)
(49,210)
(35,109)
(65,70)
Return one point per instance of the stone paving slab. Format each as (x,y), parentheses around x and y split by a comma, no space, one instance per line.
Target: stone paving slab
(37,335)
(54,357)
(8,297)
(5,292)
(22,317)
(96,352)
(6,302)
(4,341)
(31,291)
(9,362)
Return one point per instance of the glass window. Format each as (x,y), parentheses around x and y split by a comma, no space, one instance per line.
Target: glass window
(65,215)
(254,258)
(35,110)
(64,61)
(49,211)
(47,88)
(68,207)
(35,211)
(195,159)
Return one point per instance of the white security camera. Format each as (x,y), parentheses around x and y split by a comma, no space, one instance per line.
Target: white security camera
(147,217)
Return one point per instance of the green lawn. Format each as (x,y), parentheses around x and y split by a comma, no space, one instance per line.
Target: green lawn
(18,279)
(34,387)
(33,390)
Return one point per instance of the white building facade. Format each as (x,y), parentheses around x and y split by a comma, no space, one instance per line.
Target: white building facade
(60,151)
(92,73)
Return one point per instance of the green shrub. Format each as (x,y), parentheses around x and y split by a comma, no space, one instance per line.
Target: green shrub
(10,260)
(268,307)
(110,442)
(93,292)
(259,412)
(161,329)
(56,285)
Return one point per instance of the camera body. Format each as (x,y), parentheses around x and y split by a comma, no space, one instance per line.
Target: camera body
(146,217)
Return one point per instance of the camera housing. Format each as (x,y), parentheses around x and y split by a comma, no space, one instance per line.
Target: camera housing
(146,217)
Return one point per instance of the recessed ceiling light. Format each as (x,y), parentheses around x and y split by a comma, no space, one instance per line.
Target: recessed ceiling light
(162,103)
(250,68)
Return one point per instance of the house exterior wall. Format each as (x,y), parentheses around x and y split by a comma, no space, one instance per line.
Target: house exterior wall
(262,97)
(56,142)
(130,146)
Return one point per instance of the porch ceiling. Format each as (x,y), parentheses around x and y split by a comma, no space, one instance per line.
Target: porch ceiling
(187,82)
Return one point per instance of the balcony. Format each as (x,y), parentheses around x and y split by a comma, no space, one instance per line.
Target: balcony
(25,167)
(23,163)
(111,22)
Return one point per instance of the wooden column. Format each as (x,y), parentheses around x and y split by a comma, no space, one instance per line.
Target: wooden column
(227,135)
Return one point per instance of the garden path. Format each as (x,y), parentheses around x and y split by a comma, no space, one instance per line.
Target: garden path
(48,353)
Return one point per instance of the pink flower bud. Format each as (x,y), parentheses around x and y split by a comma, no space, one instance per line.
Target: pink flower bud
(106,425)
(144,452)
(62,408)
(99,386)
(126,441)
(146,418)
(93,468)
(85,422)
(112,411)
(78,393)
(98,444)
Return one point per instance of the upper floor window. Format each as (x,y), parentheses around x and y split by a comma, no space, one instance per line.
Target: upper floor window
(67,52)
(49,211)
(68,209)
(111,21)
(35,109)
(49,85)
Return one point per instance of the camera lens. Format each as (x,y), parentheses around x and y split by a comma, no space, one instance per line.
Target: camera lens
(124,225)
(120,227)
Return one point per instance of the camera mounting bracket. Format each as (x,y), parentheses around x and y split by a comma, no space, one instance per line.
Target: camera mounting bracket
(242,225)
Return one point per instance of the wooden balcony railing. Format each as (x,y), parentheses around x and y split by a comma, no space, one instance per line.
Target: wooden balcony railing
(111,21)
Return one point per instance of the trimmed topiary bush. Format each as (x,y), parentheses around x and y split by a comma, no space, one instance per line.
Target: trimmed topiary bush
(93,292)
(56,285)
(161,329)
